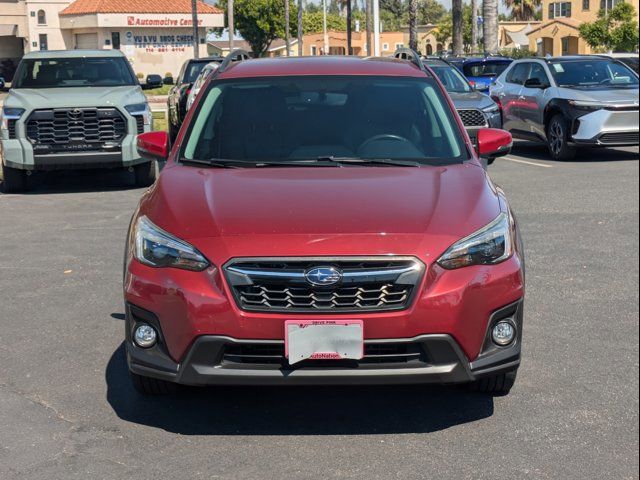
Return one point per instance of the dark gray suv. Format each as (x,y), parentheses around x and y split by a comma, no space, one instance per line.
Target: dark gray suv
(569,102)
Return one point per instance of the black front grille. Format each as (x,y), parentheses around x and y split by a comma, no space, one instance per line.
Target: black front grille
(472,118)
(139,123)
(70,128)
(11,125)
(281,285)
(400,354)
(631,138)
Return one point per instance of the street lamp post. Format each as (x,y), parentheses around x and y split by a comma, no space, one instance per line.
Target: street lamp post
(230,24)
(324,28)
(376,28)
(196,36)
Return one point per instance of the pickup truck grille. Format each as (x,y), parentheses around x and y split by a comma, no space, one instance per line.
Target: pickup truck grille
(472,118)
(62,128)
(283,285)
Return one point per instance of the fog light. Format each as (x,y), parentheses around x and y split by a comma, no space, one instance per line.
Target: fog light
(503,333)
(145,336)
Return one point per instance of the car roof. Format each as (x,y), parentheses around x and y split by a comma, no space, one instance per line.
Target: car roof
(322,65)
(436,62)
(74,54)
(480,59)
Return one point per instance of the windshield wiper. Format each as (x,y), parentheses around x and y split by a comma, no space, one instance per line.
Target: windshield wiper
(224,163)
(369,161)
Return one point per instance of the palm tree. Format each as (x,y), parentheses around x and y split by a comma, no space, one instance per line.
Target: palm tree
(474,25)
(522,10)
(490,27)
(456,12)
(413,24)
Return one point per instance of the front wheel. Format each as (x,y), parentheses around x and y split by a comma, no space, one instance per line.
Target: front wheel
(145,174)
(13,179)
(494,385)
(557,139)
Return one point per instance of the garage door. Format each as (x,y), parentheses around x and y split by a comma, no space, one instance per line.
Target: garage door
(86,40)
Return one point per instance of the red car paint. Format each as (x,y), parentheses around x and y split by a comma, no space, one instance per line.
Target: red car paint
(273,212)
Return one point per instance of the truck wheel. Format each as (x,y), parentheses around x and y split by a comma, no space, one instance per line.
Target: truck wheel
(495,385)
(145,174)
(557,139)
(13,180)
(152,386)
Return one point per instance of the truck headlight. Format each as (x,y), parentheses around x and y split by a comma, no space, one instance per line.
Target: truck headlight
(7,114)
(488,246)
(157,248)
(491,109)
(141,109)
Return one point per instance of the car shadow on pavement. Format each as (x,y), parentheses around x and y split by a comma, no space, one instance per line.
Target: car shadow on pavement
(75,181)
(321,410)
(539,151)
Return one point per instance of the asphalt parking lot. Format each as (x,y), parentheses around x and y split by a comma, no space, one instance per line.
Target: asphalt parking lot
(67,409)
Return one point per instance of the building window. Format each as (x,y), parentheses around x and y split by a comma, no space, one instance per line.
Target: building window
(399,45)
(42,17)
(115,40)
(314,50)
(385,47)
(609,4)
(585,5)
(43,41)
(559,9)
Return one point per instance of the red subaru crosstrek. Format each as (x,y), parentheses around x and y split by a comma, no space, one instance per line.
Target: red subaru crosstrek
(323,221)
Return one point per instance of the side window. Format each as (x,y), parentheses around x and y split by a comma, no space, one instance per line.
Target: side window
(538,73)
(181,74)
(518,74)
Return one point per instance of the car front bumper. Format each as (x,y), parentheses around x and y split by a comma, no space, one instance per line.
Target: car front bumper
(607,128)
(214,359)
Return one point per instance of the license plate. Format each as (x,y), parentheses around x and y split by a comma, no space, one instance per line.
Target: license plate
(323,340)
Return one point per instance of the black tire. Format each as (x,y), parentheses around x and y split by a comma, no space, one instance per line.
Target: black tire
(152,386)
(145,174)
(13,180)
(557,139)
(495,385)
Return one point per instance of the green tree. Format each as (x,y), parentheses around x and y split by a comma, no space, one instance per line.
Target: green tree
(523,10)
(312,22)
(444,30)
(616,31)
(260,22)
(430,12)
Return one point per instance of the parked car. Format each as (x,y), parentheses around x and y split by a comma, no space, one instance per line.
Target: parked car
(481,71)
(208,69)
(323,220)
(73,109)
(177,98)
(153,81)
(477,110)
(2,83)
(569,102)
(631,60)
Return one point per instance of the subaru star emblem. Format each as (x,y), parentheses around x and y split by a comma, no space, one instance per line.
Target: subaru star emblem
(323,276)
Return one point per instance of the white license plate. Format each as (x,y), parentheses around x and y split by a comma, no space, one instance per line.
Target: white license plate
(323,340)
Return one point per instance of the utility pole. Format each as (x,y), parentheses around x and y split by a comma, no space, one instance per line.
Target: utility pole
(376,28)
(367,9)
(196,36)
(324,28)
(300,51)
(348,27)
(287,39)
(230,24)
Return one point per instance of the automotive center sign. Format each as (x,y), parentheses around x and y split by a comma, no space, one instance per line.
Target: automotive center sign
(136,21)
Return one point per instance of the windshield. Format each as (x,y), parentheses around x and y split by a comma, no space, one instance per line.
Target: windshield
(284,119)
(631,62)
(193,70)
(485,69)
(74,72)
(590,72)
(451,78)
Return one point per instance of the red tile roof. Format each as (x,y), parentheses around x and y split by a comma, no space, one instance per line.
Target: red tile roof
(82,7)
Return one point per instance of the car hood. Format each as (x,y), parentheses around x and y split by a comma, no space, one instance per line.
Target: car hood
(471,100)
(392,209)
(614,96)
(30,99)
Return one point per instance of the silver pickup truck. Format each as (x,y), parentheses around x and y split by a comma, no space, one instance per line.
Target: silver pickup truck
(73,109)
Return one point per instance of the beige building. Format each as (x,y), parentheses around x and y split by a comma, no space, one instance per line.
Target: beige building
(514,34)
(428,44)
(558,33)
(156,36)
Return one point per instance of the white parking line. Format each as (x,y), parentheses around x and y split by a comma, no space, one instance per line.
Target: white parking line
(535,164)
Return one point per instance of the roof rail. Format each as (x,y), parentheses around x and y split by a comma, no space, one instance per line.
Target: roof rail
(236,55)
(411,55)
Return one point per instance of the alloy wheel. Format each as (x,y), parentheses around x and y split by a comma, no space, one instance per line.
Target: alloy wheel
(556,137)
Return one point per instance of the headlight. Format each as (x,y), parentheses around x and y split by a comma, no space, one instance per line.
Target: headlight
(140,109)
(488,246)
(587,106)
(157,248)
(9,114)
(491,109)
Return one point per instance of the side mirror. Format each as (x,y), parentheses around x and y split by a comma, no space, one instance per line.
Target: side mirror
(153,145)
(534,83)
(493,143)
